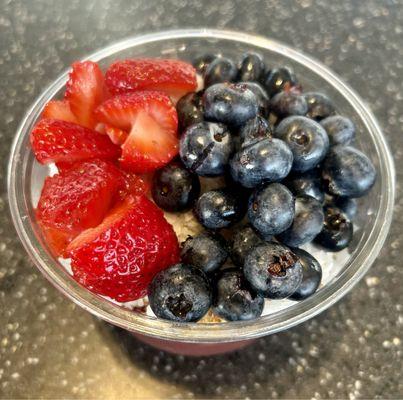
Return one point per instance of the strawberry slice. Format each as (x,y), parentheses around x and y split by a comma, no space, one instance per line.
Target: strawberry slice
(85,91)
(148,147)
(56,141)
(152,122)
(174,77)
(120,257)
(59,109)
(77,199)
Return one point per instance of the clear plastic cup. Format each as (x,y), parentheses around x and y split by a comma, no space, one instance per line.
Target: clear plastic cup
(25,178)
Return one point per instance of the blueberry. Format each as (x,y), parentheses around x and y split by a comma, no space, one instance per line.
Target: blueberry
(252,67)
(279,79)
(311,275)
(348,172)
(273,270)
(268,160)
(206,251)
(308,183)
(190,110)
(180,293)
(308,222)
(260,94)
(205,148)
(174,188)
(243,241)
(202,62)
(219,208)
(232,104)
(347,205)
(220,70)
(254,130)
(340,130)
(319,105)
(234,299)
(337,230)
(288,103)
(308,141)
(271,209)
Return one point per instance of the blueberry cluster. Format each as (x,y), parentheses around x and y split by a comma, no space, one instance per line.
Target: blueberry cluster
(291,176)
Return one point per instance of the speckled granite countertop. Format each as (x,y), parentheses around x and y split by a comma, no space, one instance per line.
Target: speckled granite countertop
(49,348)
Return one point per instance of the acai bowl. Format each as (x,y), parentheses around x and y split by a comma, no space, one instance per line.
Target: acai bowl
(341,271)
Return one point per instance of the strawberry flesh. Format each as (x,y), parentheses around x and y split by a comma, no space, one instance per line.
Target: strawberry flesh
(85,90)
(151,122)
(59,109)
(148,147)
(120,257)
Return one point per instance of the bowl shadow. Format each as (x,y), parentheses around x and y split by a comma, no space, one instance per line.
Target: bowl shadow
(264,369)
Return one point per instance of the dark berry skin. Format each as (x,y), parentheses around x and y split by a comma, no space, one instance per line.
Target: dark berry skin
(341,130)
(311,275)
(254,130)
(268,160)
(271,209)
(180,293)
(231,104)
(347,205)
(234,299)
(174,188)
(243,241)
(205,148)
(190,110)
(220,70)
(307,223)
(307,140)
(251,68)
(219,208)
(273,270)
(260,94)
(319,105)
(206,251)
(348,172)
(202,62)
(288,103)
(306,184)
(279,79)
(337,230)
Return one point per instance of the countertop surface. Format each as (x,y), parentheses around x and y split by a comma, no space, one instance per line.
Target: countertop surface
(50,348)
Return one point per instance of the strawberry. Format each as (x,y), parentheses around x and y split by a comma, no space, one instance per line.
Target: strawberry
(56,141)
(174,77)
(59,109)
(117,136)
(152,122)
(77,199)
(120,257)
(135,184)
(85,91)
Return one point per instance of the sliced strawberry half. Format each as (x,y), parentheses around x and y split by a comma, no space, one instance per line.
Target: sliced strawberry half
(85,90)
(57,141)
(120,257)
(77,199)
(174,77)
(152,122)
(59,109)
